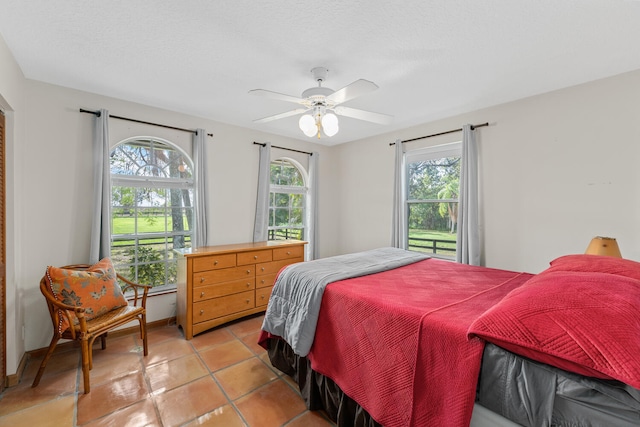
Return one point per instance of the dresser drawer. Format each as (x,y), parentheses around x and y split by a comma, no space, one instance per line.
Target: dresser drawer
(254,257)
(202,293)
(288,252)
(214,262)
(274,266)
(224,275)
(223,306)
(263,295)
(265,280)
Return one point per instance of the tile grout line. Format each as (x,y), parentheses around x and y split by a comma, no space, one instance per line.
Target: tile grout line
(147,380)
(280,377)
(215,380)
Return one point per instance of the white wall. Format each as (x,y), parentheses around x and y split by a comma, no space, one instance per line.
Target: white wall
(556,170)
(12,103)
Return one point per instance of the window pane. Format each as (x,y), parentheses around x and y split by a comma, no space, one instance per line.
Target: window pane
(150,158)
(297,200)
(151,220)
(434,179)
(432,227)
(281,216)
(281,200)
(296,216)
(285,173)
(123,201)
(180,220)
(286,233)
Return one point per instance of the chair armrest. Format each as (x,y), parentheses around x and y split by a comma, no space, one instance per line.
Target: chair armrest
(137,289)
(58,309)
(63,306)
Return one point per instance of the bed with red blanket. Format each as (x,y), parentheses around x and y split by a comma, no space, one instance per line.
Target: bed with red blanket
(404,347)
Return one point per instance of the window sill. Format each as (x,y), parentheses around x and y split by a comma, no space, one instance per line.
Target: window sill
(154,293)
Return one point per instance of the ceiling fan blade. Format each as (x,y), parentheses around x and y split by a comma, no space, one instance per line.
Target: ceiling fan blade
(383,119)
(276,95)
(357,88)
(281,115)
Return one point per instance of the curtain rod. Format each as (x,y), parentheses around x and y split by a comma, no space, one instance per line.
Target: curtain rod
(97,114)
(441,133)
(284,148)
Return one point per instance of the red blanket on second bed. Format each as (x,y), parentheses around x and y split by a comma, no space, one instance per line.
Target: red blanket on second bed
(396,342)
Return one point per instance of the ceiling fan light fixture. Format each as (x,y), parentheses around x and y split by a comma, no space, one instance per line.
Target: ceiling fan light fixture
(316,102)
(308,125)
(330,124)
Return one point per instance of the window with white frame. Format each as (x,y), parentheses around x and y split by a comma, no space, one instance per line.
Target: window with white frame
(287,200)
(433,186)
(152,190)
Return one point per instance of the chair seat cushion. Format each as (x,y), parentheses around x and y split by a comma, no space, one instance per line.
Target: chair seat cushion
(96,289)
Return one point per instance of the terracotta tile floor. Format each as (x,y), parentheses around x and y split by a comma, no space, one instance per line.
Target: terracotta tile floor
(219,378)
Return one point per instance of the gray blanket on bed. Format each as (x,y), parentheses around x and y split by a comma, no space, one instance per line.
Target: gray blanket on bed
(294,306)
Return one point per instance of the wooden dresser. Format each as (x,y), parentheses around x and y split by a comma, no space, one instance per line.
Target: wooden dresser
(217,284)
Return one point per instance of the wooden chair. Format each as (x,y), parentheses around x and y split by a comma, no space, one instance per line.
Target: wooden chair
(86,331)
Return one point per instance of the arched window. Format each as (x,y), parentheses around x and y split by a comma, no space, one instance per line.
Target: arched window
(151,209)
(287,200)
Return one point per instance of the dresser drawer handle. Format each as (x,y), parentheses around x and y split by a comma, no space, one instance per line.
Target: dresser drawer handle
(262,281)
(262,296)
(201,294)
(248,285)
(201,312)
(248,301)
(255,257)
(202,280)
(288,252)
(248,271)
(215,262)
(262,269)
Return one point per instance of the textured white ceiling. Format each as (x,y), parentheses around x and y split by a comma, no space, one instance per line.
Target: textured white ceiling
(431,59)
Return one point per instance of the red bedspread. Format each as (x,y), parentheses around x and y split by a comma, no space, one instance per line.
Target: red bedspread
(396,342)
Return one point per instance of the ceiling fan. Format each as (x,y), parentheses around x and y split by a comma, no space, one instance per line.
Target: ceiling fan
(323,104)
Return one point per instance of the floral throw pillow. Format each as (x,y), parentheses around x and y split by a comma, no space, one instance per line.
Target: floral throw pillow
(95,289)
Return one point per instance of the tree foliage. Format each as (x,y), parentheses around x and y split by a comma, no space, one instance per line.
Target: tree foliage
(286,202)
(428,182)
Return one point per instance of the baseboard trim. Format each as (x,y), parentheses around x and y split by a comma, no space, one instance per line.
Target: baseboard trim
(14,379)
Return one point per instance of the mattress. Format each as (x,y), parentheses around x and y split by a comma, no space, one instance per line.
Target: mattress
(534,394)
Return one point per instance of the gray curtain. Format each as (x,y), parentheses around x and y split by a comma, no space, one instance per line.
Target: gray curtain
(101,227)
(260,230)
(200,181)
(399,217)
(312,219)
(468,234)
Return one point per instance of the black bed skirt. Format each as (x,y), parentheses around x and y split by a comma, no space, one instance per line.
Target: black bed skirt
(551,396)
(318,391)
